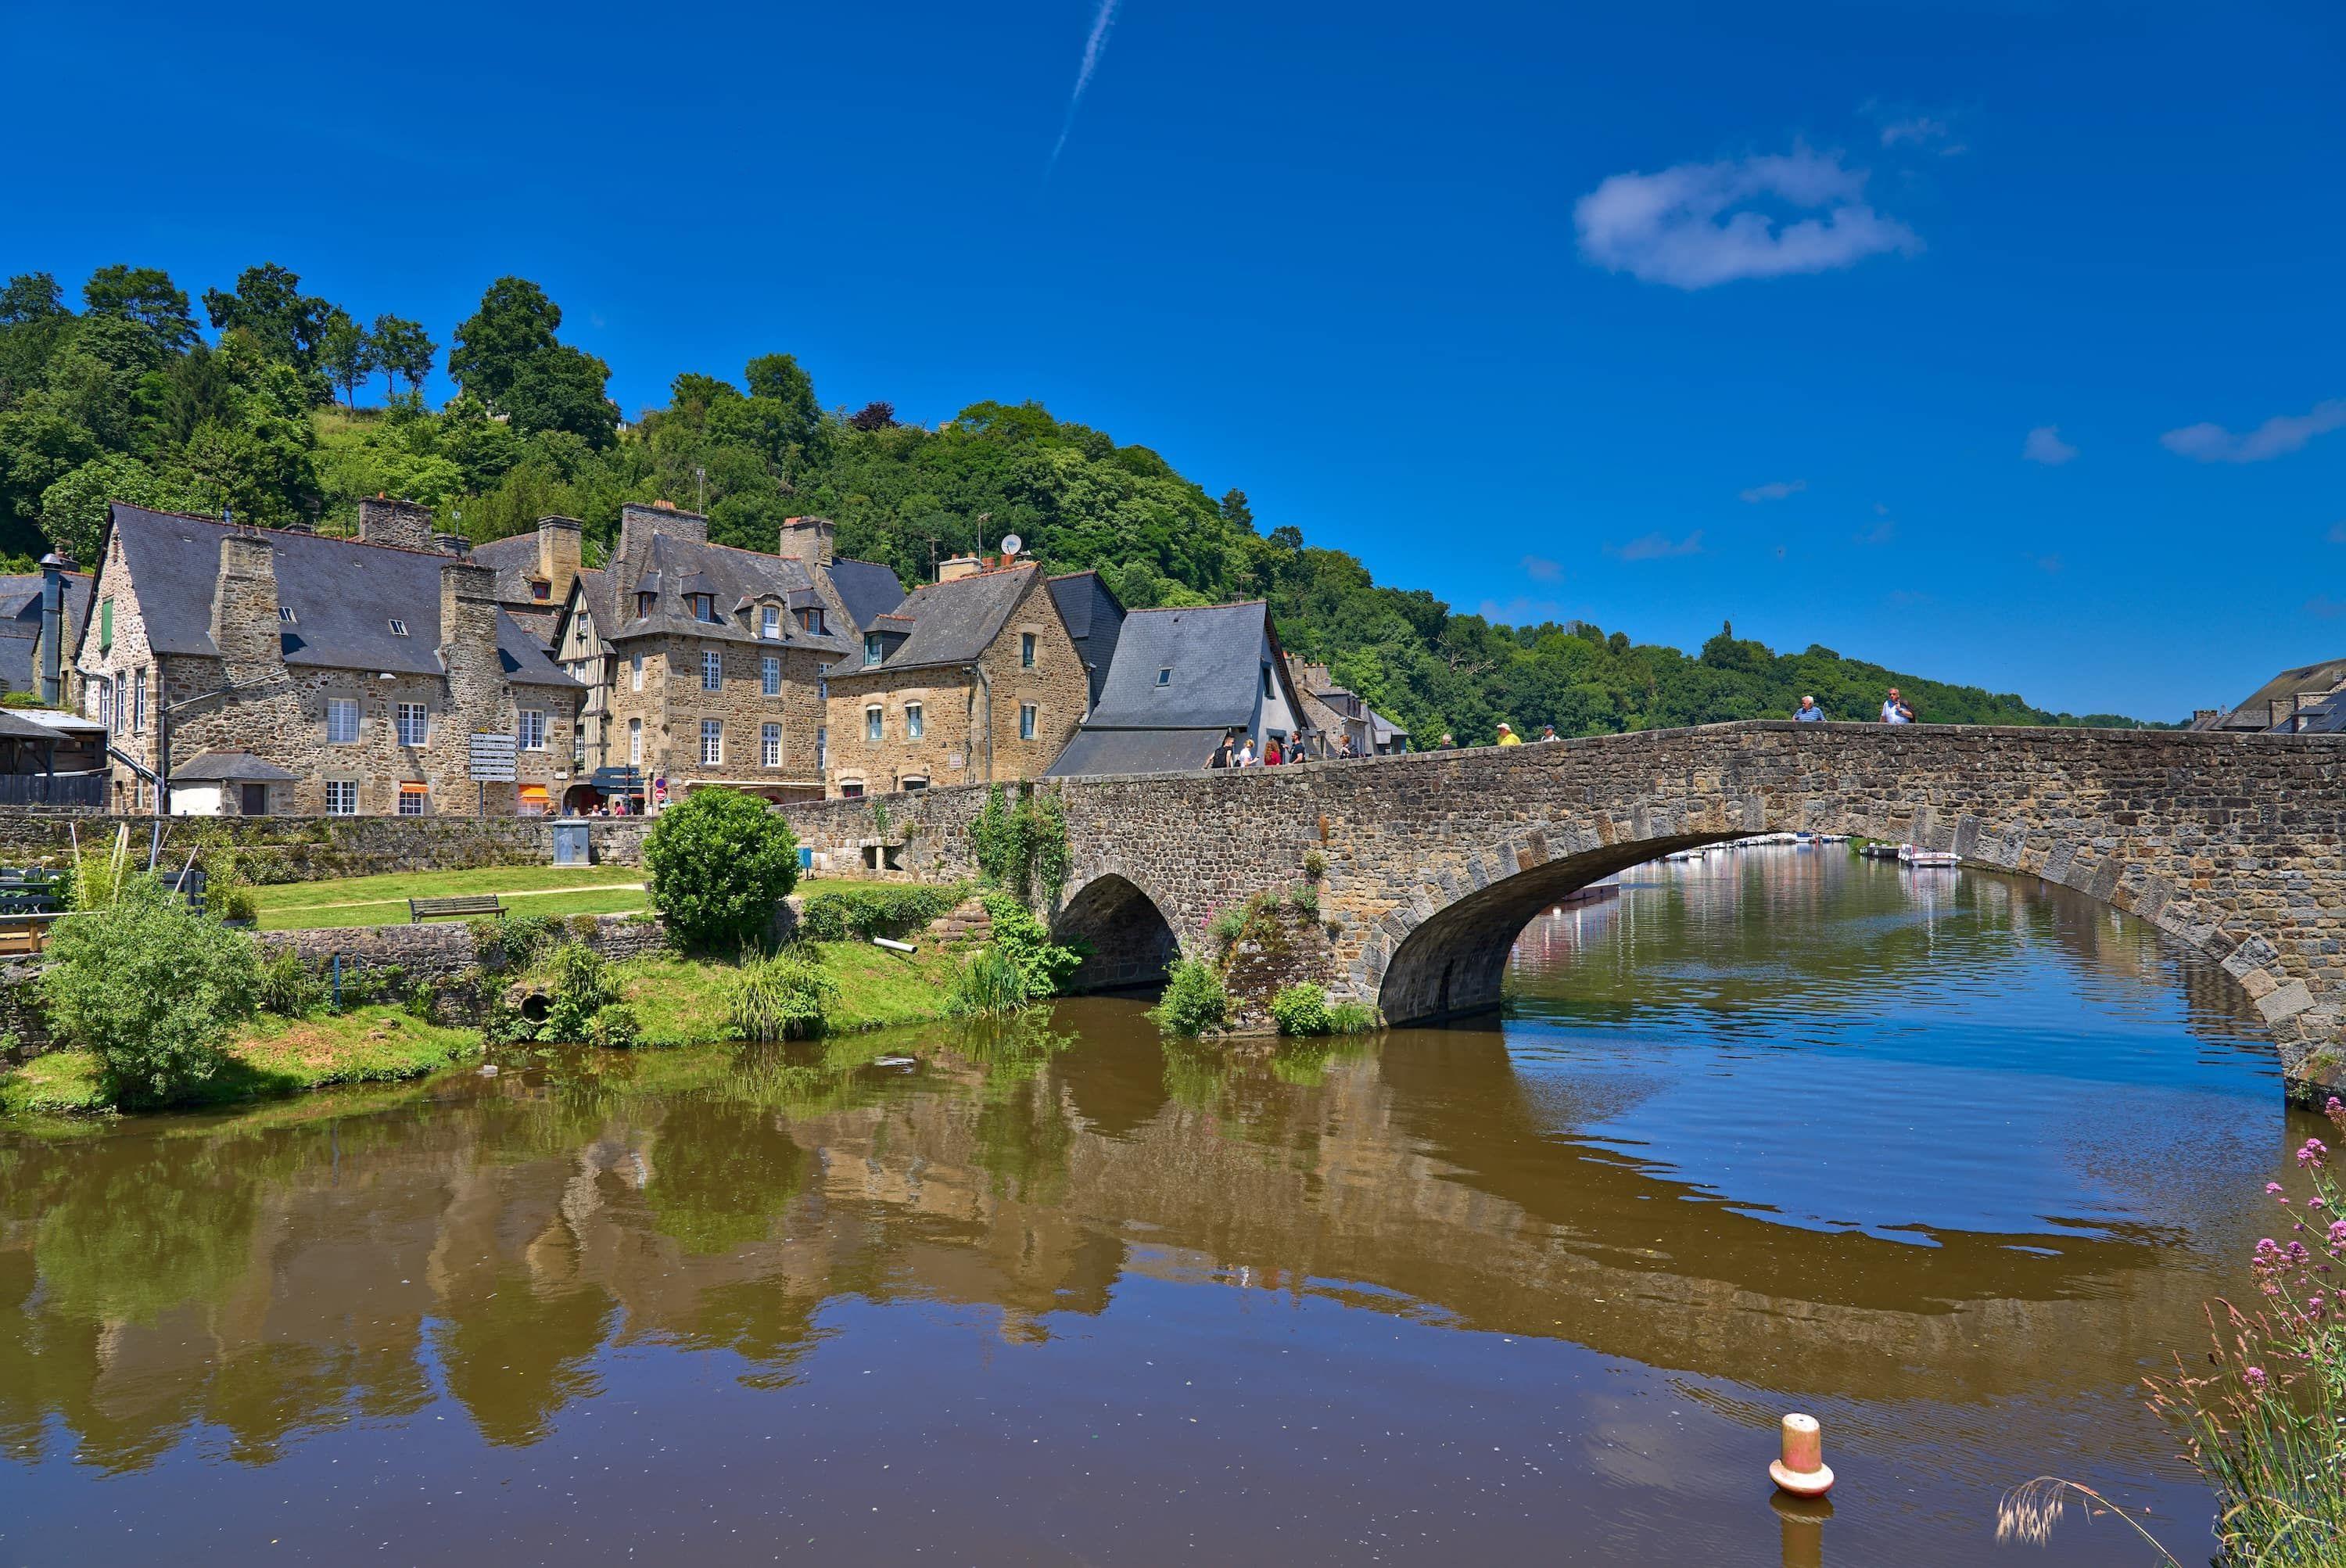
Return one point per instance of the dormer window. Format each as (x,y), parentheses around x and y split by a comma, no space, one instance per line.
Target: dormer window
(770,622)
(539,588)
(399,628)
(811,620)
(285,613)
(870,649)
(1165,675)
(644,606)
(704,607)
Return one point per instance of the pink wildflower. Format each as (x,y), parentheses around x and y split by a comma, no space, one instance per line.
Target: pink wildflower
(2255,1376)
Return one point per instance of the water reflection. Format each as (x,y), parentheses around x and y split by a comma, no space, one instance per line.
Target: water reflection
(1951,1163)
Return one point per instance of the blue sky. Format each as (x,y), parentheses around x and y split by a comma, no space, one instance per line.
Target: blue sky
(2000,342)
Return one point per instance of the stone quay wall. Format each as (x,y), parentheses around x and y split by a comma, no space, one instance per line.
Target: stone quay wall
(2234,844)
(311,849)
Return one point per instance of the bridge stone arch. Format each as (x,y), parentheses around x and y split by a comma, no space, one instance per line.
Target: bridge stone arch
(1132,941)
(2235,844)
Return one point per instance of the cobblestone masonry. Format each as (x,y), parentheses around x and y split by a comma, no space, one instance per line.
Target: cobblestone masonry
(2231,843)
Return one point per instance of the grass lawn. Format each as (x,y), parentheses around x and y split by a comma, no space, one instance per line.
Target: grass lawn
(269,1056)
(383,901)
(687,1000)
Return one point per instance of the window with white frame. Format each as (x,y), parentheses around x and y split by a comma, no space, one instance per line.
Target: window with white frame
(770,745)
(635,743)
(712,671)
(139,703)
(341,796)
(770,674)
(411,799)
(414,729)
(529,729)
(872,730)
(712,741)
(341,721)
(1025,721)
(636,672)
(398,628)
(770,622)
(912,721)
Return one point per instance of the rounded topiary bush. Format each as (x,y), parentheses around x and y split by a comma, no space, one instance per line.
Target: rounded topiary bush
(719,861)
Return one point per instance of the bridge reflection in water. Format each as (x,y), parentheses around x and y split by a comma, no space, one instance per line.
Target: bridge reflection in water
(1951,1164)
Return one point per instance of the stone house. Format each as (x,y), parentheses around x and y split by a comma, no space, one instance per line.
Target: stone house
(972,679)
(2308,699)
(278,671)
(1334,712)
(534,571)
(31,623)
(703,663)
(1185,680)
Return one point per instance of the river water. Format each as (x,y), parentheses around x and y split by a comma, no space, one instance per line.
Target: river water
(1947,1159)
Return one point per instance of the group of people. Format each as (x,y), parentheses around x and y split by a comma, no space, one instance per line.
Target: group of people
(1895,709)
(1239,751)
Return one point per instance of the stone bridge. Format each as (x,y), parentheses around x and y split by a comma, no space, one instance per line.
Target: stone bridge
(1435,861)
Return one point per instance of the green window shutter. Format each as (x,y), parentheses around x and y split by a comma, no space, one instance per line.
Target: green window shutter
(105,625)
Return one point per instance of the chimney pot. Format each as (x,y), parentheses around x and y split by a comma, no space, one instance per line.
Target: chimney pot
(402,524)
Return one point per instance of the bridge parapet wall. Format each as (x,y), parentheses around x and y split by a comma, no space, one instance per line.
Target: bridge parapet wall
(2231,843)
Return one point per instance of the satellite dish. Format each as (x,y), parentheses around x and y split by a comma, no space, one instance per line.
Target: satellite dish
(1012,544)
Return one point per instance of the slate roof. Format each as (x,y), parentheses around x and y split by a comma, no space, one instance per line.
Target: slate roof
(515,558)
(231,767)
(950,623)
(20,624)
(737,580)
(1094,619)
(2255,712)
(1093,753)
(344,594)
(867,588)
(1216,654)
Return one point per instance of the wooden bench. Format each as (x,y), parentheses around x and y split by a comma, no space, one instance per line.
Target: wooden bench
(22,939)
(421,909)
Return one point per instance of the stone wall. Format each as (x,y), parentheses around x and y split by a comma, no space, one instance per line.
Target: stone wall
(437,949)
(2235,844)
(307,849)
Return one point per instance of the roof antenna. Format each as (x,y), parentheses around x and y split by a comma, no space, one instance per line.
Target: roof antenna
(228,517)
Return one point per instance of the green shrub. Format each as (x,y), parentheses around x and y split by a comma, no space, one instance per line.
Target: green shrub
(1026,942)
(1305,898)
(782,997)
(1194,1000)
(891,910)
(1315,864)
(289,987)
(512,941)
(1021,847)
(719,860)
(151,988)
(614,1027)
(1300,1008)
(582,990)
(1228,925)
(989,984)
(1351,1018)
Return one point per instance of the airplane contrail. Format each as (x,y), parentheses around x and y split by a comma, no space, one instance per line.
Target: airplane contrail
(1093,47)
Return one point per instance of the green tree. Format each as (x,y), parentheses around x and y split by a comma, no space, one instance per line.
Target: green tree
(403,348)
(147,296)
(562,389)
(720,861)
(267,303)
(31,297)
(514,323)
(151,987)
(345,353)
(73,510)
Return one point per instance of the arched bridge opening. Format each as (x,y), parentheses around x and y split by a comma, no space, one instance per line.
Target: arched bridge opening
(1453,964)
(1133,945)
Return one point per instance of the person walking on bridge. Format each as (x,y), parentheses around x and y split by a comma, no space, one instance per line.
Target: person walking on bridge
(1895,709)
(1508,737)
(1809,712)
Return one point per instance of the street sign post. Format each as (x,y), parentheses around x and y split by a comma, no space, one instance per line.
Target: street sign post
(493,762)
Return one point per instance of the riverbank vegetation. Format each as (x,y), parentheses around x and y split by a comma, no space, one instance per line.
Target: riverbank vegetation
(117,394)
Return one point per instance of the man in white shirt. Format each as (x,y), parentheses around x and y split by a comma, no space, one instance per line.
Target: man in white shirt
(1895,709)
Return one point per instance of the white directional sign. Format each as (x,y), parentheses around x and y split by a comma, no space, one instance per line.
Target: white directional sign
(493,758)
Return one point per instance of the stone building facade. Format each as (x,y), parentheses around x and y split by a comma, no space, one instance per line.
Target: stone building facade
(358,669)
(974,678)
(703,663)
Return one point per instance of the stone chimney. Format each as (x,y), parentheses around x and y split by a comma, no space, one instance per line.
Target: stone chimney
(958,567)
(383,520)
(809,539)
(468,641)
(54,568)
(2282,710)
(244,607)
(452,544)
(561,546)
(639,520)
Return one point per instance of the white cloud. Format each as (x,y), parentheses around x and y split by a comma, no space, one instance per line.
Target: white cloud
(1520,611)
(1654,547)
(1699,224)
(1775,490)
(1541,569)
(2044,445)
(1882,533)
(2277,437)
